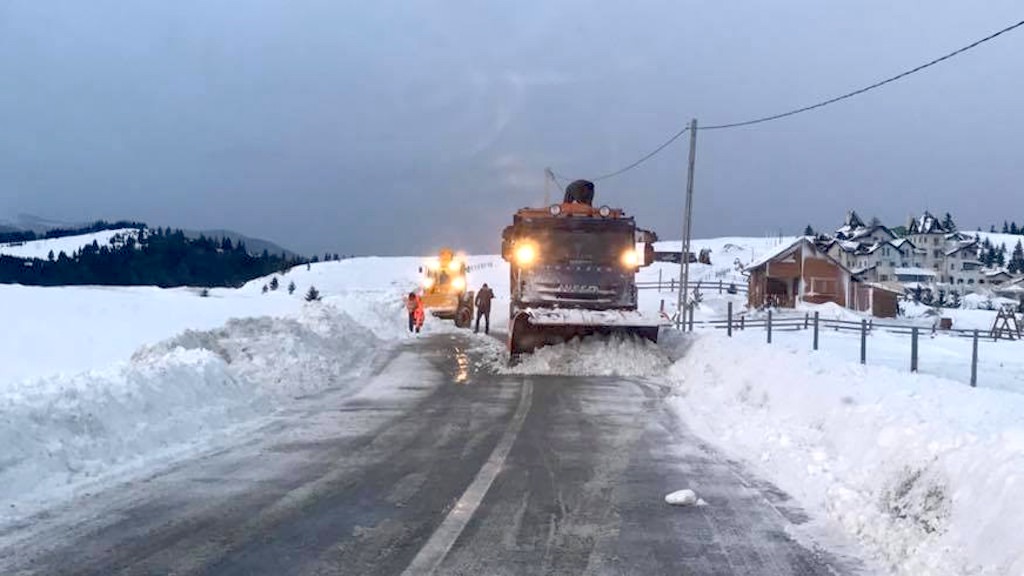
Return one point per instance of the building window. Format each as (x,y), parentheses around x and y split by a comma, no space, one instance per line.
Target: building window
(981,281)
(970,280)
(825,286)
(935,241)
(885,277)
(959,280)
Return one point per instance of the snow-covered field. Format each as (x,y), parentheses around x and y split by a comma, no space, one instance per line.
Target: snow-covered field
(927,473)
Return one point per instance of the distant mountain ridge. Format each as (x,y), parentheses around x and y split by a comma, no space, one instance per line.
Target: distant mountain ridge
(29,222)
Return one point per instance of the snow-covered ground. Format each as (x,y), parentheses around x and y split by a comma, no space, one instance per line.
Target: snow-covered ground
(69,244)
(925,471)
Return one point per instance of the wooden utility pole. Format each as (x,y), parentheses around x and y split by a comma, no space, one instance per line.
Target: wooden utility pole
(684,260)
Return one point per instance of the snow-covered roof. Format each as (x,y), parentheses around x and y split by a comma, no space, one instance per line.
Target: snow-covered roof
(914,271)
(926,224)
(776,252)
(970,244)
(887,286)
(998,273)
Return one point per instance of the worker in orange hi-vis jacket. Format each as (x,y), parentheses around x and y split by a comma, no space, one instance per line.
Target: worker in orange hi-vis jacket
(414,305)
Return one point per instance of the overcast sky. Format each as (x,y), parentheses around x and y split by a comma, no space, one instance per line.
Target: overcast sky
(396,127)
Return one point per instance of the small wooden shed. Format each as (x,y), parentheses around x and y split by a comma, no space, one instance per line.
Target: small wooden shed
(879,299)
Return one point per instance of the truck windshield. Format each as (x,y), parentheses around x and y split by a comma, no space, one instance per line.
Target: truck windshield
(582,246)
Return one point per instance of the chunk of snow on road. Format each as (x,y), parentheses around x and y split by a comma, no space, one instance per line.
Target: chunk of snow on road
(685,497)
(594,356)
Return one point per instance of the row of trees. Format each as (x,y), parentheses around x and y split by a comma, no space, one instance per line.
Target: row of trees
(1009,228)
(162,257)
(272,286)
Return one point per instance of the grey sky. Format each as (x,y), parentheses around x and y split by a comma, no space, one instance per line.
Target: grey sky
(398,127)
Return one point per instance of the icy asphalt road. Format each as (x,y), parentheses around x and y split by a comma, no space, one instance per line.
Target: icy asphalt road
(433,466)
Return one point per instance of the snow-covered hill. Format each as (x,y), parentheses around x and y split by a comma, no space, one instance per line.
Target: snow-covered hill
(41,249)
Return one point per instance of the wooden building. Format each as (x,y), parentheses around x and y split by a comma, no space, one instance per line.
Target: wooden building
(798,272)
(879,299)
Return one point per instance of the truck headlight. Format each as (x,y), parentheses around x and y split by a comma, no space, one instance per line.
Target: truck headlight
(630,259)
(428,283)
(459,283)
(526,254)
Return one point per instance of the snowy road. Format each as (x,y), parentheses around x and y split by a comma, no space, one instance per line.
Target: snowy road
(434,465)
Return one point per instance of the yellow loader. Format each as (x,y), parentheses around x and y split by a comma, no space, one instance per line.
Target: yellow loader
(443,288)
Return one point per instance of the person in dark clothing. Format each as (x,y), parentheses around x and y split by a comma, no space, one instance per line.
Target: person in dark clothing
(580,191)
(483,308)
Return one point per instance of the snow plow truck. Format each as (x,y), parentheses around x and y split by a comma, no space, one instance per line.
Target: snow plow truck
(573,272)
(443,288)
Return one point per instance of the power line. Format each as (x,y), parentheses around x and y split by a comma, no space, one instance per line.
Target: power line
(821,104)
(644,158)
(866,88)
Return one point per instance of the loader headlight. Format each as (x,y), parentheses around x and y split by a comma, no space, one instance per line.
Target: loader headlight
(428,283)
(434,264)
(630,259)
(454,266)
(526,254)
(459,283)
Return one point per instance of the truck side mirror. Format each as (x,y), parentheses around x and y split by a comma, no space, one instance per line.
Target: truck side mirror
(421,269)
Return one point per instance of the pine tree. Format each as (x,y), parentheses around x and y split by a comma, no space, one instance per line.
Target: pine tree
(291,287)
(265,288)
(274,283)
(50,256)
(947,222)
(1001,256)
(992,229)
(927,298)
(1017,259)
(313,294)
(1006,227)
(954,300)
(1013,228)
(808,231)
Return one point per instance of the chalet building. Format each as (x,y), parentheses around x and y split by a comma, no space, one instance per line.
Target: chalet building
(929,254)
(803,272)
(798,272)
(872,253)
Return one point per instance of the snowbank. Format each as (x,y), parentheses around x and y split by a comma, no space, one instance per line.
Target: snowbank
(61,430)
(927,473)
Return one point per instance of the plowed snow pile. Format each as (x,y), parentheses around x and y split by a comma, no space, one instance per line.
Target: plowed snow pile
(594,356)
(59,430)
(927,473)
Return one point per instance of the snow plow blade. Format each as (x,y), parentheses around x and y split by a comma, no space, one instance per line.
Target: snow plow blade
(532,329)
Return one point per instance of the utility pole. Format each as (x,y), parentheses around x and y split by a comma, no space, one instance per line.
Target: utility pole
(684,260)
